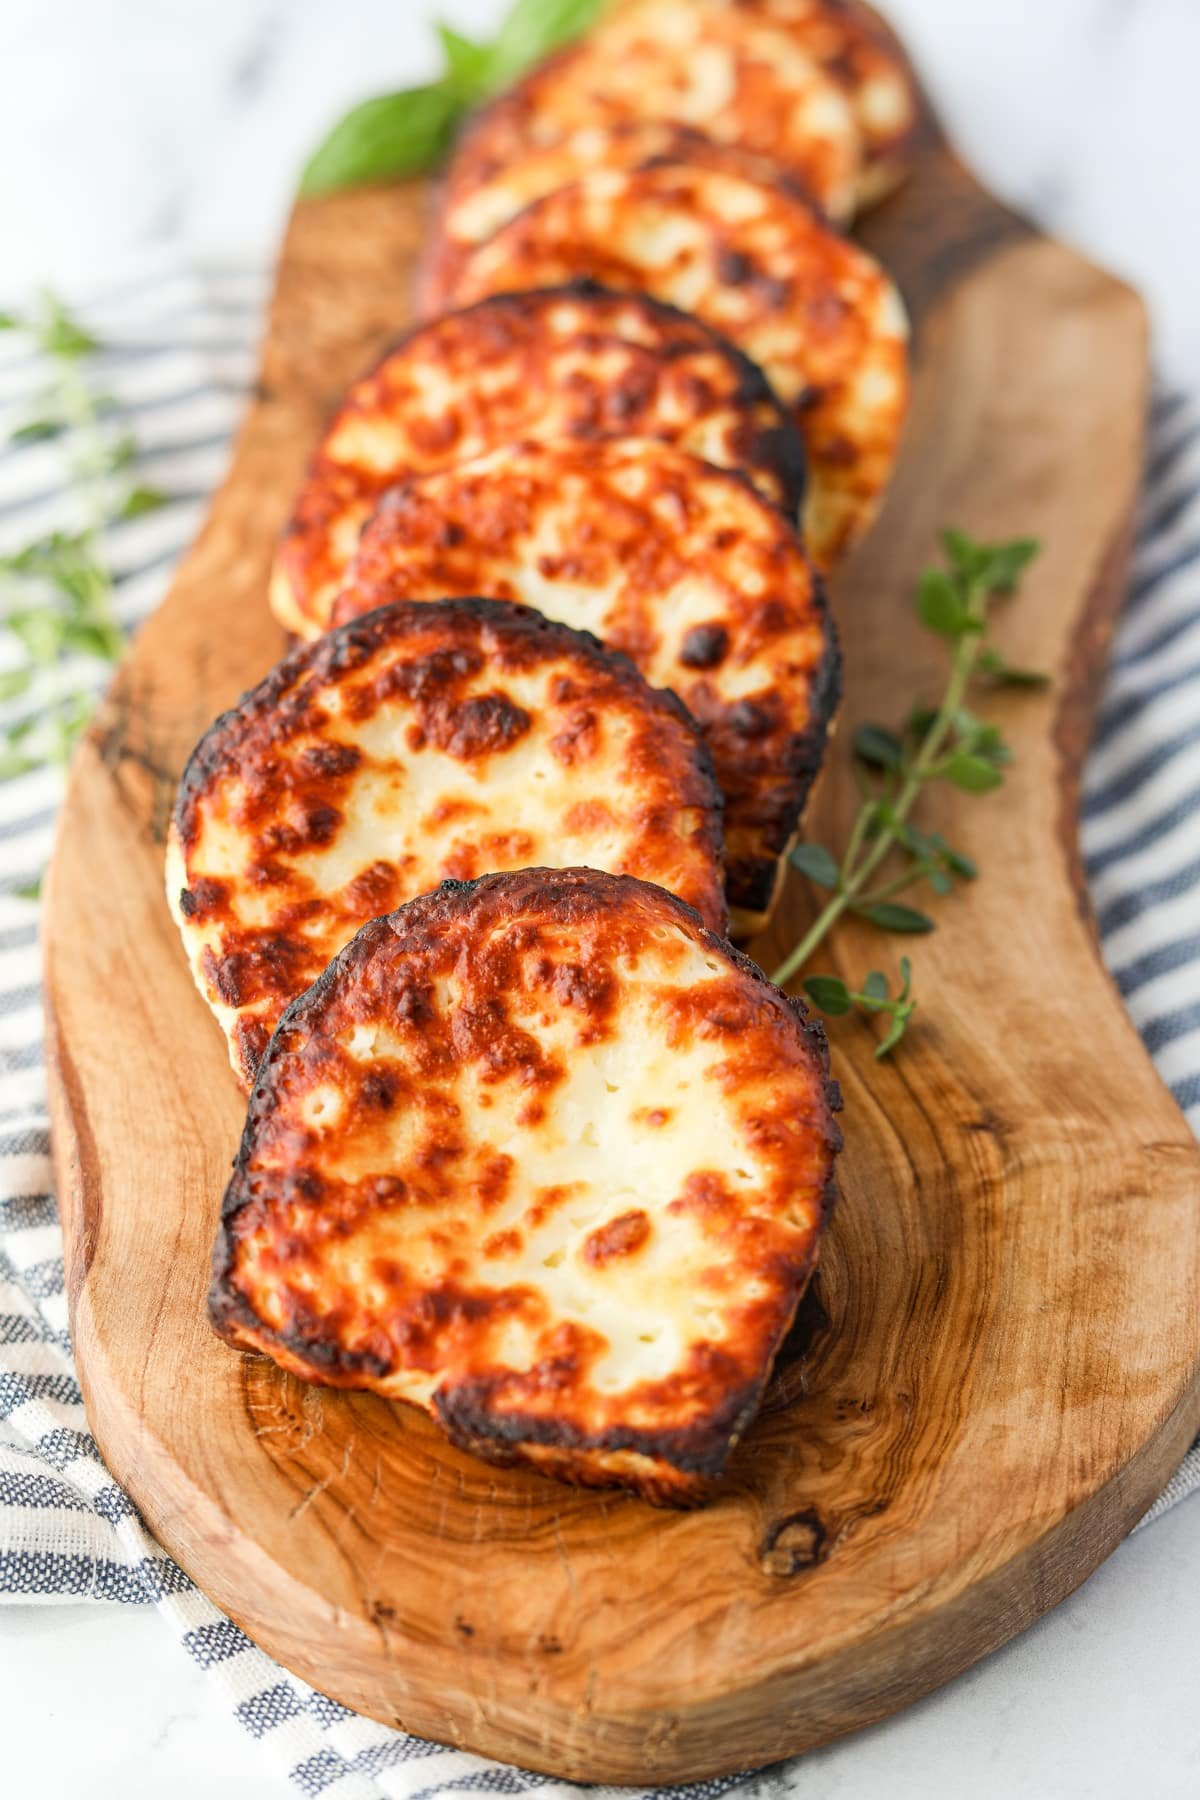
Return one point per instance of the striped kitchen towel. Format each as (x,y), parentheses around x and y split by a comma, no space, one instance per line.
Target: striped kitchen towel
(177,357)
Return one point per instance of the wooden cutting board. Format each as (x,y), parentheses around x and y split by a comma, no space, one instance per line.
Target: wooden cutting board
(1001,1364)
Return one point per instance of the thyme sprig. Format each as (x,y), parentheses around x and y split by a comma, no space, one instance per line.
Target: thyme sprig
(887,854)
(56,593)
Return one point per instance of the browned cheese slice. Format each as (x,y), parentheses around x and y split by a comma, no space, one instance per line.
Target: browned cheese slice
(681,565)
(735,76)
(575,363)
(814,311)
(542,1156)
(420,743)
(851,44)
(474,209)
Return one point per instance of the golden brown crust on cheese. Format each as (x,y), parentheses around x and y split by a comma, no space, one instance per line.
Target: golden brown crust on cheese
(737,77)
(574,362)
(543,1156)
(680,565)
(851,43)
(813,310)
(486,195)
(418,743)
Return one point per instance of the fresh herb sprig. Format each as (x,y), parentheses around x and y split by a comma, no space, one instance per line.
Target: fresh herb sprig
(404,133)
(56,593)
(887,854)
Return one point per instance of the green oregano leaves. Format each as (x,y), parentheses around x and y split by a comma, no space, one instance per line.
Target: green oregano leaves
(887,854)
(56,593)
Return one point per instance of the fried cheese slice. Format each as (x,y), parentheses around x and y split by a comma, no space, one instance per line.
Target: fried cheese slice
(682,566)
(420,743)
(814,311)
(542,1156)
(575,362)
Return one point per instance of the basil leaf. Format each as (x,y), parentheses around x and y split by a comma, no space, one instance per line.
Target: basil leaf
(392,136)
(533,28)
(469,65)
(815,861)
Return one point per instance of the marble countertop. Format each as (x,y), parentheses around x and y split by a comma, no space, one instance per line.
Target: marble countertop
(151,123)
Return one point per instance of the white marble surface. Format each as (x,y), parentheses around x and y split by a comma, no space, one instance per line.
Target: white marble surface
(137,123)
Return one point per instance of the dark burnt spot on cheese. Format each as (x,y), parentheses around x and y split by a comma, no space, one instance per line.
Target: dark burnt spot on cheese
(203,899)
(704,646)
(621,1236)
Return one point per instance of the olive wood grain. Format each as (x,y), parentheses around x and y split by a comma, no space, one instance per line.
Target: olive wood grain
(1002,1369)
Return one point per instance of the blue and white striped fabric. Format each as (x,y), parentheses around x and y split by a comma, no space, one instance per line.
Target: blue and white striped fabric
(178,358)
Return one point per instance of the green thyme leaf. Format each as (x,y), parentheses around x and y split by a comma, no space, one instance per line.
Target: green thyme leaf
(37,431)
(881,748)
(890,916)
(141,500)
(875,987)
(992,663)
(1006,564)
(895,1031)
(940,606)
(954,860)
(12,764)
(829,995)
(815,861)
(59,334)
(973,774)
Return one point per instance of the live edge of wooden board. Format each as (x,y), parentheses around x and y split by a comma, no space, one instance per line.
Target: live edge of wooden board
(1000,1369)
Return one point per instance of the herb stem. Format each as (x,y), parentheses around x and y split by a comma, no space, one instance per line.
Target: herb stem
(855,874)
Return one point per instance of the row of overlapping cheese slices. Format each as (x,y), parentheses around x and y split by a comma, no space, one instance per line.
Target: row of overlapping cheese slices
(543,1154)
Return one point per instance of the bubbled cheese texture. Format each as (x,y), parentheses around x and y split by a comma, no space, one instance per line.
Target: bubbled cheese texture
(680,565)
(549,1161)
(552,364)
(816,312)
(422,743)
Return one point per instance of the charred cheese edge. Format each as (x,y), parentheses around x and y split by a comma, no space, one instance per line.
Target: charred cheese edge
(680,565)
(420,743)
(738,78)
(816,312)
(851,43)
(542,1156)
(473,210)
(570,362)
